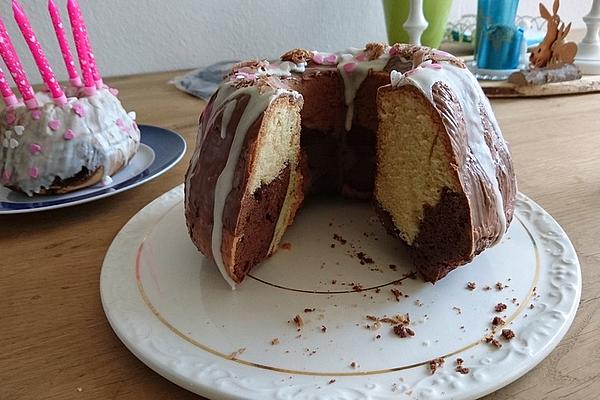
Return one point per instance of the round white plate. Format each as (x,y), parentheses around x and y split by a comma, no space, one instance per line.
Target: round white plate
(160,149)
(173,310)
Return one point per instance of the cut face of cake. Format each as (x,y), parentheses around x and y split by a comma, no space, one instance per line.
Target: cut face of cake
(444,172)
(426,149)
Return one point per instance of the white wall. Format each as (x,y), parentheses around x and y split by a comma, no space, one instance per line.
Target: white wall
(135,36)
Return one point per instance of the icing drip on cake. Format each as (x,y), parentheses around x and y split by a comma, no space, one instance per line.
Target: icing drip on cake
(259,101)
(52,141)
(470,96)
(354,68)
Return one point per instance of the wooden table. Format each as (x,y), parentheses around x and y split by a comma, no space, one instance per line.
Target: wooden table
(57,344)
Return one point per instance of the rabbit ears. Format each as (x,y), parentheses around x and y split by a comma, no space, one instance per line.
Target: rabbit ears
(545,13)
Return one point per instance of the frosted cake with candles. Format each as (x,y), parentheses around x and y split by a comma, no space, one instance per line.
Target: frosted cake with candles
(65,138)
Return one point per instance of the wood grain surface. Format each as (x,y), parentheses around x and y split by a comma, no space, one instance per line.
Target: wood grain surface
(55,342)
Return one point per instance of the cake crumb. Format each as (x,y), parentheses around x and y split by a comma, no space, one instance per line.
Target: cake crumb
(364,259)
(275,341)
(531,306)
(457,309)
(333,281)
(307,310)
(298,321)
(403,331)
(393,267)
(331,381)
(508,334)
(353,364)
(79,389)
(397,294)
(497,321)
(460,368)
(487,288)
(339,239)
(471,285)
(378,337)
(435,364)
(500,286)
(323,328)
(285,246)
(494,342)
(500,307)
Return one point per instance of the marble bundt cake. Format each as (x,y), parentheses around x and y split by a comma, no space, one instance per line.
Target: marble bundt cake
(405,126)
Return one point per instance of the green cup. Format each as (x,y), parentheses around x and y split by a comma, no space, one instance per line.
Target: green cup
(436,13)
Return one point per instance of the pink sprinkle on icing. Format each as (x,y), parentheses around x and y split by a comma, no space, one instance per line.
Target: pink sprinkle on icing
(434,66)
(69,135)
(332,58)
(361,57)
(36,114)
(34,172)
(10,117)
(318,58)
(120,123)
(6,175)
(349,67)
(54,124)
(113,91)
(35,148)
(78,109)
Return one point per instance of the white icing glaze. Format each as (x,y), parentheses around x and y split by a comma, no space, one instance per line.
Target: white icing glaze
(87,132)
(354,78)
(469,94)
(257,104)
(284,68)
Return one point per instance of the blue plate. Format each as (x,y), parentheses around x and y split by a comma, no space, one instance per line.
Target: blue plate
(159,151)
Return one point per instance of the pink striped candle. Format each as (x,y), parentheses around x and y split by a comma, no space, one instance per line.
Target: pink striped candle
(92,58)
(38,54)
(7,94)
(81,43)
(11,59)
(64,44)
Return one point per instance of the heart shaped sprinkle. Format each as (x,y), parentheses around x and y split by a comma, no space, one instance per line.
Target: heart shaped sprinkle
(107,180)
(69,135)
(36,114)
(7,134)
(349,67)
(6,175)
(35,148)
(132,115)
(19,129)
(318,58)
(113,91)
(13,143)
(54,124)
(78,109)
(10,117)
(34,172)
(331,59)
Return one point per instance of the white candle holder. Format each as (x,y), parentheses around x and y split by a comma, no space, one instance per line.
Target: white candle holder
(588,51)
(416,23)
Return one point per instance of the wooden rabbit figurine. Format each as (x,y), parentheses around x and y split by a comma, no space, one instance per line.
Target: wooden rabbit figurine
(541,55)
(562,53)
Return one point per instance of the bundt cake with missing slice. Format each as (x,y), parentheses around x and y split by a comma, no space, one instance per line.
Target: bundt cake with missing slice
(403,125)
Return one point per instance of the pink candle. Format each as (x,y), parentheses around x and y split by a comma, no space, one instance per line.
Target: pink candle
(9,55)
(7,94)
(79,34)
(64,44)
(38,54)
(91,57)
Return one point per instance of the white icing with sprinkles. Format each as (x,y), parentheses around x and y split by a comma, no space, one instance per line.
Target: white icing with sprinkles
(55,141)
